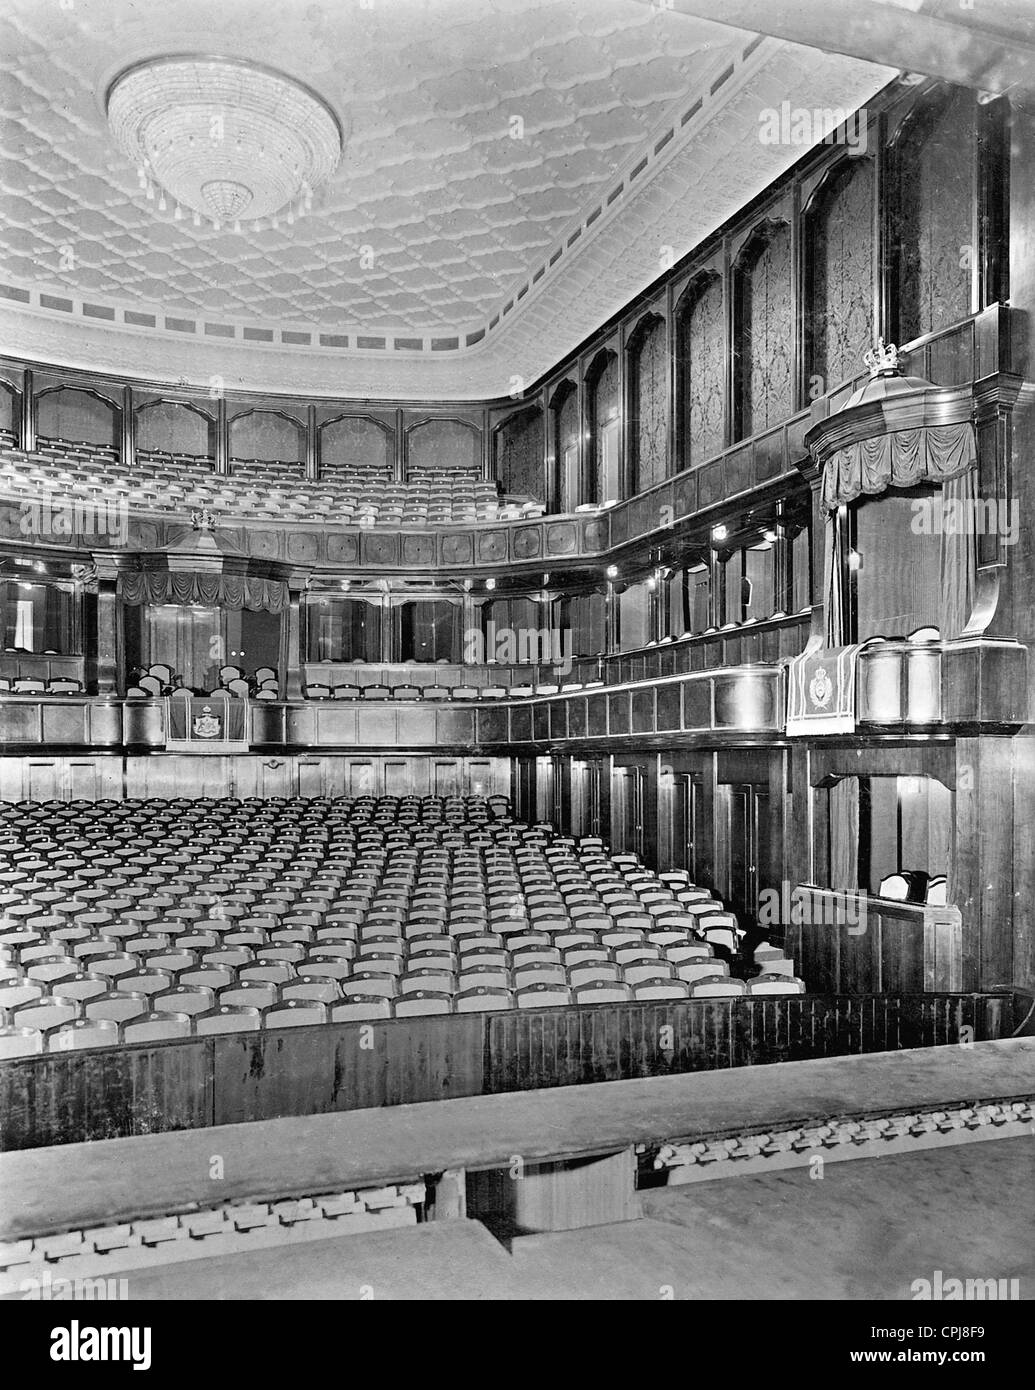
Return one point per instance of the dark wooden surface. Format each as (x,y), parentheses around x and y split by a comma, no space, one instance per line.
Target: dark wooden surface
(232,1079)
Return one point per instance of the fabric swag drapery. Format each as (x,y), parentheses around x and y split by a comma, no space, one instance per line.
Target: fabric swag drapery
(214,590)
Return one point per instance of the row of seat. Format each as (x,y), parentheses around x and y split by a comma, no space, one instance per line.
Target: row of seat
(317,690)
(168,1020)
(159,679)
(162,917)
(182,483)
(32,685)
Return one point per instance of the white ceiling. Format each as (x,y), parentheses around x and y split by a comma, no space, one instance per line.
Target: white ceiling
(437,215)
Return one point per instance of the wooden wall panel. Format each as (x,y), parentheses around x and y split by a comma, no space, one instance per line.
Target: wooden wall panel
(296,1071)
(106,1093)
(353,1066)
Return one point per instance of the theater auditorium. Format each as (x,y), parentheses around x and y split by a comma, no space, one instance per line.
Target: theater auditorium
(516,586)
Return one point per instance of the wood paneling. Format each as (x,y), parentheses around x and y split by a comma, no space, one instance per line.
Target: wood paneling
(67,1098)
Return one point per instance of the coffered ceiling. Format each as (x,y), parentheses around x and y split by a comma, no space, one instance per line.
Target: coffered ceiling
(513,172)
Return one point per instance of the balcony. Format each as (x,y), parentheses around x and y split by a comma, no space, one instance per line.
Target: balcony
(971,682)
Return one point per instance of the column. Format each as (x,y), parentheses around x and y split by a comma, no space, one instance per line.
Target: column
(222,437)
(104,665)
(312,446)
(27,418)
(290,674)
(129,430)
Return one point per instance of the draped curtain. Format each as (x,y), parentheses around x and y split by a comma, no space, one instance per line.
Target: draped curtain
(844,835)
(959,557)
(220,590)
(945,454)
(900,459)
(833,561)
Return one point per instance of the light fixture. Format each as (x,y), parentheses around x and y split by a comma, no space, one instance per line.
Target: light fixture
(719,533)
(612,571)
(771,536)
(490,584)
(855,560)
(231,140)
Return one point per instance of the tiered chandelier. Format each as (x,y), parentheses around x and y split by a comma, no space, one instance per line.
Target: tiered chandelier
(227,140)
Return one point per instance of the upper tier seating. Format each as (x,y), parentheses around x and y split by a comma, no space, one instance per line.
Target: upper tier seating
(171,917)
(255,490)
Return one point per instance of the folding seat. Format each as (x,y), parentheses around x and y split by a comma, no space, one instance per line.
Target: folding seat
(326,969)
(45,1013)
(602,992)
(529,955)
(688,954)
(586,972)
(427,977)
(629,952)
(256,994)
(720,928)
(49,970)
(273,972)
(542,996)
(85,986)
(360,1007)
(82,1033)
(183,999)
(689,896)
(308,988)
(483,998)
(208,975)
(661,989)
(775,984)
(641,972)
(423,1001)
(19,1041)
(228,1018)
(113,963)
(539,972)
(719,987)
(370,982)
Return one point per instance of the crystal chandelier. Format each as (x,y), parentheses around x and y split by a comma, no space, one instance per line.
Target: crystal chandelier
(226,139)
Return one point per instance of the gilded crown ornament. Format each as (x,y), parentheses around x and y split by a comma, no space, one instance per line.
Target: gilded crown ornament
(883,358)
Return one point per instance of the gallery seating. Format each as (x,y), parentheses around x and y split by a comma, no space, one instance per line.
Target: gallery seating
(255,489)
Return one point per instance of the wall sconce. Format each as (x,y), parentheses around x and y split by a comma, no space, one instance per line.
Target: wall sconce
(719,533)
(855,560)
(490,584)
(612,571)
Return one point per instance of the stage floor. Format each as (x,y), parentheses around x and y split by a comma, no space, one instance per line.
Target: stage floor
(867,1229)
(91,1184)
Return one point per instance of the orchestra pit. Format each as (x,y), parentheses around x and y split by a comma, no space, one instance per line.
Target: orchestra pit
(517,772)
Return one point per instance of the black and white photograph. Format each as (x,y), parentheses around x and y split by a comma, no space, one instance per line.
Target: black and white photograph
(517,672)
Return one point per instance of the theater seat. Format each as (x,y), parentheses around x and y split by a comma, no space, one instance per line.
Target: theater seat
(775,984)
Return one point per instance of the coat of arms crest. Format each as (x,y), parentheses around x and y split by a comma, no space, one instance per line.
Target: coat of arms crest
(207,725)
(821,687)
